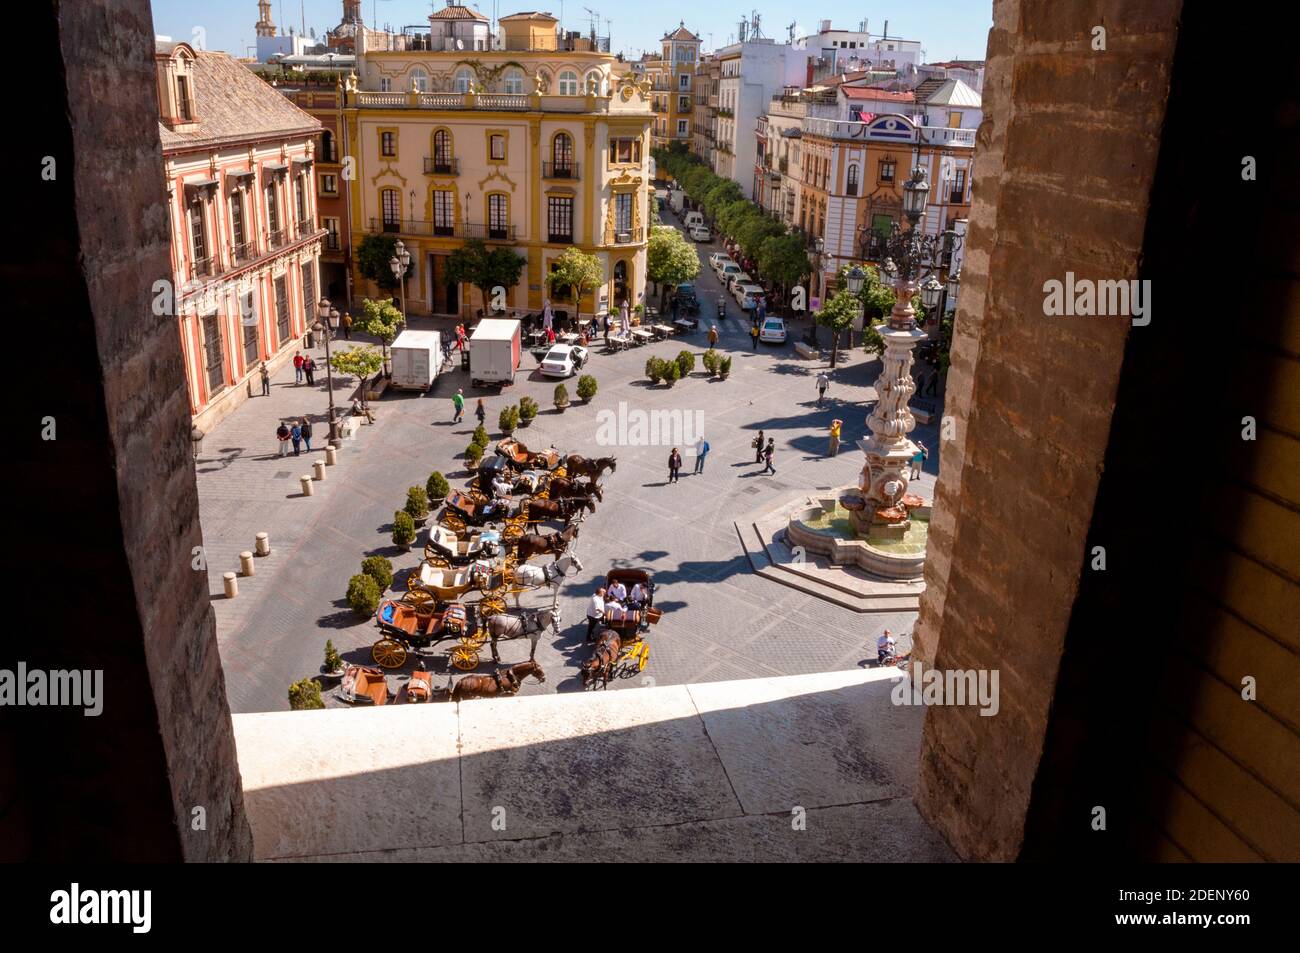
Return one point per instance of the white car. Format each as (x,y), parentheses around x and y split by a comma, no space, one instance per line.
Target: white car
(700,234)
(564,360)
(747,296)
(773,330)
(734,281)
(718,258)
(727,270)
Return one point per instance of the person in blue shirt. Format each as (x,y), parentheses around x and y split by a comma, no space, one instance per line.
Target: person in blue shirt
(701,451)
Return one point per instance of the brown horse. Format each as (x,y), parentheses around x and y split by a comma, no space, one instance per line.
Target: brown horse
(593,467)
(563,488)
(505,681)
(538,511)
(529,546)
(602,661)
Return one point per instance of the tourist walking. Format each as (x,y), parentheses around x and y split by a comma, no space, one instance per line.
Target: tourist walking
(282,437)
(458,401)
(674,465)
(347,326)
(767,456)
(605,325)
(304,426)
(701,451)
(918,459)
(266,380)
(309,368)
(835,437)
(295,434)
(753,337)
(757,444)
(480,411)
(713,336)
(595,613)
(823,382)
(297,368)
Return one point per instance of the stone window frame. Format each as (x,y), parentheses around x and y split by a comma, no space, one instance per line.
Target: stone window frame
(390,131)
(504,135)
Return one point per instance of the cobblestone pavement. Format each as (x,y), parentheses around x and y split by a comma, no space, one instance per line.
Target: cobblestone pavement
(720,621)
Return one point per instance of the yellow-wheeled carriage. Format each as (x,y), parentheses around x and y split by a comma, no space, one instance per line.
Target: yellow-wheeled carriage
(432,583)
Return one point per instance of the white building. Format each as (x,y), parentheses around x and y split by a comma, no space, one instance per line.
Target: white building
(751,73)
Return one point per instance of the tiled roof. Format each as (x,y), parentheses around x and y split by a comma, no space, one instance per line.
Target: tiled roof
(681,33)
(927,87)
(954,92)
(233,104)
(457,13)
(880,95)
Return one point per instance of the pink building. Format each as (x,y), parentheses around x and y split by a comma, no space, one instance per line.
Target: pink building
(245,243)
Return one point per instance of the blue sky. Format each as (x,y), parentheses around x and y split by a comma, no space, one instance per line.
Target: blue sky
(948,28)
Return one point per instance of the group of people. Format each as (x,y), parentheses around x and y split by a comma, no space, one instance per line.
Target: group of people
(304,367)
(763,452)
(296,432)
(675,459)
(616,598)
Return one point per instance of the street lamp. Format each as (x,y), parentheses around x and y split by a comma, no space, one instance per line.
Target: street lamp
(855,278)
(931,291)
(400,262)
(331,316)
(954,284)
(915,190)
(196,440)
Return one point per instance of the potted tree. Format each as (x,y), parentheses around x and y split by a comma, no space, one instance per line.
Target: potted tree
(672,372)
(304,695)
(711,361)
(685,362)
(403,535)
(527,410)
(724,368)
(586,388)
(480,436)
(654,369)
(473,454)
(508,419)
(363,591)
(417,505)
(380,569)
(561,397)
(436,489)
(333,668)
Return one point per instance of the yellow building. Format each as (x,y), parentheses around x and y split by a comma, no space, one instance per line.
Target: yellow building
(538,145)
(672,88)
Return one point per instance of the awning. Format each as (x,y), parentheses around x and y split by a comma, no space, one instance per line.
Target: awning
(303,161)
(275,169)
(195,186)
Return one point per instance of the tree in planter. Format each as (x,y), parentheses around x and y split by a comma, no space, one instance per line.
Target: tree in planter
(417,504)
(654,369)
(577,271)
(304,695)
(586,387)
(480,436)
(436,487)
(672,372)
(333,661)
(381,320)
(711,361)
(527,409)
(380,569)
(473,454)
(373,257)
(484,268)
(685,363)
(725,367)
(837,314)
(670,260)
(403,530)
(362,362)
(561,396)
(508,419)
(363,591)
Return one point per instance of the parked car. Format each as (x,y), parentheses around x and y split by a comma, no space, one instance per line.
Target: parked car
(693,219)
(700,234)
(727,270)
(564,360)
(747,295)
(772,331)
(739,278)
(717,258)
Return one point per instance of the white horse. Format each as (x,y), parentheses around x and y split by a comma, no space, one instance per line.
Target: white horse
(534,577)
(532,623)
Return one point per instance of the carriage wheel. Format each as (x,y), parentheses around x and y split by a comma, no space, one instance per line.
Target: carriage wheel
(388,653)
(493,604)
(512,532)
(465,658)
(560,471)
(436,559)
(643,656)
(418,597)
(453,522)
(476,639)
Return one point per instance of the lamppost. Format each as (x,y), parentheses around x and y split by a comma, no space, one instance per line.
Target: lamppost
(819,246)
(400,262)
(935,294)
(331,315)
(854,279)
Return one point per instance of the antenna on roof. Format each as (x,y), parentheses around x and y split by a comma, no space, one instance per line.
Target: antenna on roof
(790,30)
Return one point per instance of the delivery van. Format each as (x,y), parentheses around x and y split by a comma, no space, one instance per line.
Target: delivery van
(416,357)
(494,352)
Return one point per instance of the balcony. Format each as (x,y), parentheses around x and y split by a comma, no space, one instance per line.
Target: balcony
(278,237)
(332,241)
(560,170)
(202,268)
(449,166)
(628,237)
(557,238)
(307,228)
(243,252)
(463,230)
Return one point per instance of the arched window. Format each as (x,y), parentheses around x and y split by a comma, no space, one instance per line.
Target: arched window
(514,83)
(562,156)
(852,184)
(620,282)
(464,78)
(568,83)
(419,80)
(442,155)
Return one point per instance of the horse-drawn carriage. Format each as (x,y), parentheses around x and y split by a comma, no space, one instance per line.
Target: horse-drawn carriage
(622,650)
(444,584)
(413,628)
(521,458)
(474,509)
(448,548)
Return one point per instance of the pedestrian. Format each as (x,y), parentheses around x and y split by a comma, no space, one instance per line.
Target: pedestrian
(701,451)
(713,336)
(282,436)
(304,425)
(266,380)
(309,368)
(295,434)
(823,382)
(761,310)
(347,326)
(606,327)
(675,307)
(595,613)
(918,459)
(480,411)
(767,456)
(458,401)
(674,465)
(835,437)
(885,647)
(753,336)
(550,335)
(297,368)
(757,444)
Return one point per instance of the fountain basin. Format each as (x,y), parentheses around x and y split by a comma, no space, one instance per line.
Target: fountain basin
(828,528)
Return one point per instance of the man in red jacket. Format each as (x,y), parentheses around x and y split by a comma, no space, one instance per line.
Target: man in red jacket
(297,367)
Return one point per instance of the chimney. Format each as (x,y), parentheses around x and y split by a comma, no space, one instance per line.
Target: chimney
(885,35)
(825,27)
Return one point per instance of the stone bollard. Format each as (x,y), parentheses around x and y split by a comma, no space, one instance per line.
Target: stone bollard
(246,567)
(331,455)
(263,546)
(306,485)
(232,585)
(318,469)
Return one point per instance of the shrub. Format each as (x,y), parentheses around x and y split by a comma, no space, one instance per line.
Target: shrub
(379,569)
(672,372)
(654,369)
(437,486)
(473,454)
(363,591)
(403,528)
(480,436)
(304,695)
(725,367)
(711,361)
(561,395)
(685,362)
(586,387)
(508,419)
(527,408)
(333,661)
(417,503)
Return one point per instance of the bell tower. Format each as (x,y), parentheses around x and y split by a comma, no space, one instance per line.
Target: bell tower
(265,25)
(351,11)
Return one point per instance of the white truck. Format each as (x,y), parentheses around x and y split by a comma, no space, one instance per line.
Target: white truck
(416,357)
(676,198)
(494,350)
